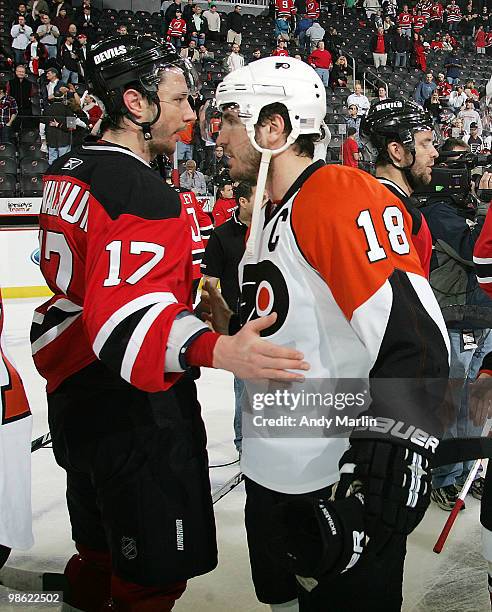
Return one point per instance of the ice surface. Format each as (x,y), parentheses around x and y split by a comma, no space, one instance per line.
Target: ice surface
(454,581)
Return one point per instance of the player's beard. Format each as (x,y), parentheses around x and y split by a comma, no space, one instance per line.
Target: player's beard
(247,165)
(420,177)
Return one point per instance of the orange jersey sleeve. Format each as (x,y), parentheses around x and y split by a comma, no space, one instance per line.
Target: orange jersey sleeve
(354,232)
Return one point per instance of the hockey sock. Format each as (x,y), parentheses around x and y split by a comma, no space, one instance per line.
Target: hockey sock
(130,597)
(4,555)
(288,606)
(89,578)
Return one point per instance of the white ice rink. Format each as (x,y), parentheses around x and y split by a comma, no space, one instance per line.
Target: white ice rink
(454,581)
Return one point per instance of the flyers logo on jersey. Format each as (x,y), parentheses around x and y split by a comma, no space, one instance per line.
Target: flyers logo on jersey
(109,54)
(264,291)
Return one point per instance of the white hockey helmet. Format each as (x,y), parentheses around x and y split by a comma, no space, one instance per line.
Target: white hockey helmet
(275,79)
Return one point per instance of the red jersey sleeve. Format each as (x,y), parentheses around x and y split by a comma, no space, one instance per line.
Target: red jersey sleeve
(482,255)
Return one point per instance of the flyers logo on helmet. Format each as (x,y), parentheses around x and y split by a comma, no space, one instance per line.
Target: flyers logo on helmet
(109,53)
(264,291)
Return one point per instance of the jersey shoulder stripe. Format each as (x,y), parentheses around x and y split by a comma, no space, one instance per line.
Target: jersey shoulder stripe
(120,181)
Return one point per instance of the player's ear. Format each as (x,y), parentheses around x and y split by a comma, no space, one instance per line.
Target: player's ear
(134,102)
(396,151)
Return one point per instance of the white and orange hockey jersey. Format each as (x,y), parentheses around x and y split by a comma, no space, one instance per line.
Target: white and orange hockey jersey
(335,261)
(15,454)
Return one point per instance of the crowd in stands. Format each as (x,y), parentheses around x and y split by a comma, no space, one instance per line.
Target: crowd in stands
(428,50)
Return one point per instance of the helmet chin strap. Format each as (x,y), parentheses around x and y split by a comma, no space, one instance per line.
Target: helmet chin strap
(407,170)
(266,157)
(146,125)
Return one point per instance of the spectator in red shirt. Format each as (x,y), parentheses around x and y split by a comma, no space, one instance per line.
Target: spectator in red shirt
(443,87)
(224,205)
(480,40)
(419,21)
(437,44)
(281,50)
(320,60)
(379,47)
(177,31)
(350,150)
(405,21)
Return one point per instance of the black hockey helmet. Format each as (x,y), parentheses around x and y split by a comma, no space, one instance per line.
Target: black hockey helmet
(395,120)
(119,61)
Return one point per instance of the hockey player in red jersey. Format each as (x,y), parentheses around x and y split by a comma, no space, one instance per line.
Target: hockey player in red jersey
(119,345)
(15,456)
(402,134)
(201,228)
(332,250)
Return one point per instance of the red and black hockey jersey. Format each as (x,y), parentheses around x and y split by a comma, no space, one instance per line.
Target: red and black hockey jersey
(312,9)
(201,228)
(116,248)
(454,13)
(284,8)
(436,12)
(405,20)
(177,28)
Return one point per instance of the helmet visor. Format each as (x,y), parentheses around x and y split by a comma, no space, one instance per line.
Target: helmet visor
(153,77)
(214,116)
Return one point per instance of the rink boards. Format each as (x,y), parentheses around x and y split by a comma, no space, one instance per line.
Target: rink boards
(20,276)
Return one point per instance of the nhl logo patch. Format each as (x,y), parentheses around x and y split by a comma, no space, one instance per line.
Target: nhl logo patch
(128,548)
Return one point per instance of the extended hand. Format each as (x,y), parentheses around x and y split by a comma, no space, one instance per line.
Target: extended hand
(248,356)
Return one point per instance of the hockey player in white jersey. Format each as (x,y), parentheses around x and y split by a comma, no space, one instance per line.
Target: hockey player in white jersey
(15,456)
(331,253)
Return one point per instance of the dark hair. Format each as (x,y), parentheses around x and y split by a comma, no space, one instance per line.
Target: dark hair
(351,131)
(304,144)
(243,190)
(452,143)
(226,181)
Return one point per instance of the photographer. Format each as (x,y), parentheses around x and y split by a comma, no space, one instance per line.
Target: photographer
(455,227)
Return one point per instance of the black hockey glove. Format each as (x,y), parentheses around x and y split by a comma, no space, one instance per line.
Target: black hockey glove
(315,537)
(395,482)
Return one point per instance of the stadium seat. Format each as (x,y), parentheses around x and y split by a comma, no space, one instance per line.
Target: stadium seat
(32,150)
(33,165)
(8,185)
(29,136)
(8,165)
(32,185)
(7,150)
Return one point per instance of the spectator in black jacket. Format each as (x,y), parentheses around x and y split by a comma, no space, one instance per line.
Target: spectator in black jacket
(188,10)
(401,46)
(197,26)
(69,58)
(333,43)
(87,23)
(217,168)
(21,90)
(340,73)
(58,129)
(234,26)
